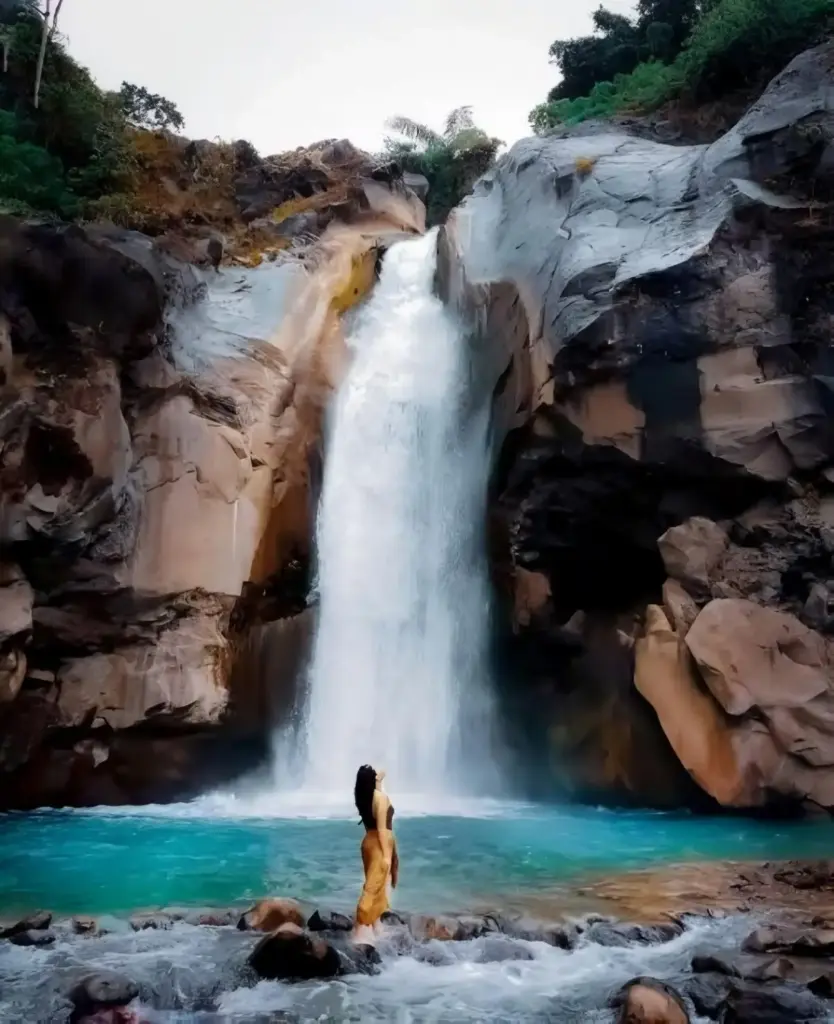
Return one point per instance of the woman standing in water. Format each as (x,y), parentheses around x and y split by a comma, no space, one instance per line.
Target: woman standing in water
(379,848)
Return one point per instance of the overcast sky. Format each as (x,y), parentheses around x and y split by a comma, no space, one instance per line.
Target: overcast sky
(285,73)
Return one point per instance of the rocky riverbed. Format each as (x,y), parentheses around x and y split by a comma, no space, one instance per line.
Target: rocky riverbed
(751,943)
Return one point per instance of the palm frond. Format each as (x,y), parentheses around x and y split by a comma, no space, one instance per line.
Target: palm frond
(459,120)
(414,130)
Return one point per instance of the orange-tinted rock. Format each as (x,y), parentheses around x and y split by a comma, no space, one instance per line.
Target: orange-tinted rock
(270,914)
(695,725)
(753,656)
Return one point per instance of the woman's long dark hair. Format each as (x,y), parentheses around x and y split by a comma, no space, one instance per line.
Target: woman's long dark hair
(363,794)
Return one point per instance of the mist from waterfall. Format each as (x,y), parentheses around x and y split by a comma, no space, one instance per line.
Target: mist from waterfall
(399,675)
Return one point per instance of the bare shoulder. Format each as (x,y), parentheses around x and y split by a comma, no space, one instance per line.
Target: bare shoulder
(381,802)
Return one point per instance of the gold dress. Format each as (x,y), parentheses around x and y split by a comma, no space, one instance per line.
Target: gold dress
(374,899)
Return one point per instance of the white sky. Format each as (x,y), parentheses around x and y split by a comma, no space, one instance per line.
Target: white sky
(285,73)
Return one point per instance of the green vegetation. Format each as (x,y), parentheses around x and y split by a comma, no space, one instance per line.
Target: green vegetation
(698,48)
(451,160)
(72,143)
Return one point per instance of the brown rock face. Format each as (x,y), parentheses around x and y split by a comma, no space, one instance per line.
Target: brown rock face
(160,432)
(660,377)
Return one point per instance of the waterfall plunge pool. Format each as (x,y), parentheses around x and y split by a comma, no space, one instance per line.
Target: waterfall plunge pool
(211,853)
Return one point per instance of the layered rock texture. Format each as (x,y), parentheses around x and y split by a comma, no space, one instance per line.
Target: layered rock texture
(655,322)
(159,443)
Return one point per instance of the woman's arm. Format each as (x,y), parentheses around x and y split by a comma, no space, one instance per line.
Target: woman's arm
(386,836)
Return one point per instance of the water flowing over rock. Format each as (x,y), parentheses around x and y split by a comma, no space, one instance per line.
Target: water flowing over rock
(654,324)
(159,442)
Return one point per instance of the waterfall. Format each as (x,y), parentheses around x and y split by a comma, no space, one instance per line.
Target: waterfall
(399,670)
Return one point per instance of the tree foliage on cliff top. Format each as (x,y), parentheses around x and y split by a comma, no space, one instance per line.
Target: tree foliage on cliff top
(76,144)
(634,66)
(451,160)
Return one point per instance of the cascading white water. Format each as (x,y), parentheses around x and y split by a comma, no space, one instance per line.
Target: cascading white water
(399,674)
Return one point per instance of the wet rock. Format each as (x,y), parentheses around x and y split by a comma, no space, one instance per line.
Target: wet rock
(713,965)
(772,1005)
(795,942)
(813,875)
(441,929)
(560,936)
(708,993)
(290,953)
(267,915)
(160,921)
(779,969)
(84,926)
(605,934)
(358,958)
(822,985)
(692,550)
(35,922)
(33,938)
(212,918)
(395,920)
(474,927)
(101,992)
(649,1001)
(331,922)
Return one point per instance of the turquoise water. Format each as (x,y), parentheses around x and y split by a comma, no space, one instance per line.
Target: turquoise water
(105,862)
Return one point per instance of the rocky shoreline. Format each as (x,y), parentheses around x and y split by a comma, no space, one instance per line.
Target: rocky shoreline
(751,942)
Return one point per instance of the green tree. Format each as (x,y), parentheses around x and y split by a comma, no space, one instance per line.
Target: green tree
(144,109)
(451,160)
(613,50)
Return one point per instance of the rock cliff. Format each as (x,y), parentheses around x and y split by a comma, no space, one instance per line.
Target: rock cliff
(655,324)
(159,438)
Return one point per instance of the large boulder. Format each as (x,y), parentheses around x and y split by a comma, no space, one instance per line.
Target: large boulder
(694,724)
(291,954)
(750,656)
(648,1001)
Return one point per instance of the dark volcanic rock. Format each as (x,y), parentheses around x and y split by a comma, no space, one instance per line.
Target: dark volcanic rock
(33,938)
(772,1005)
(290,953)
(35,922)
(713,965)
(330,922)
(605,934)
(795,942)
(101,991)
(708,993)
